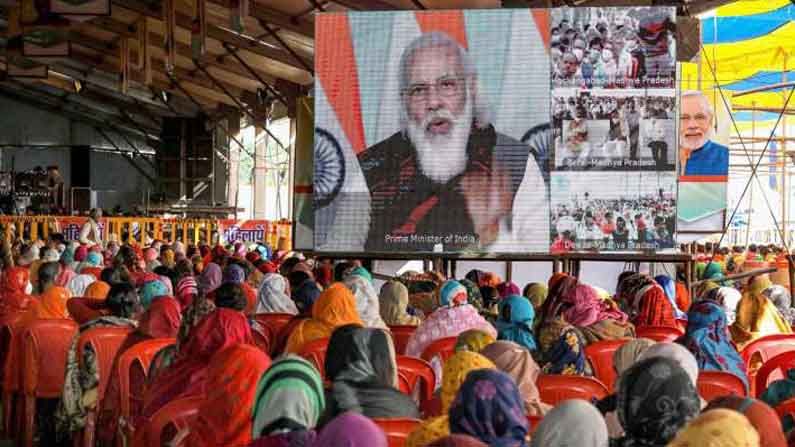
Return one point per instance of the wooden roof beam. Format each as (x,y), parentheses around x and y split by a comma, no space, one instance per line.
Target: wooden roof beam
(215,32)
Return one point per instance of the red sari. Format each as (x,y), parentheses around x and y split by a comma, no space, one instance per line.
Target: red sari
(13,299)
(225,416)
(655,309)
(161,320)
(188,375)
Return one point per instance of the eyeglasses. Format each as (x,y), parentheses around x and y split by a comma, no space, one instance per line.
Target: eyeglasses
(446,87)
(699,118)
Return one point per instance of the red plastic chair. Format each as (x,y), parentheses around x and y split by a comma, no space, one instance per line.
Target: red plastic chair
(600,355)
(10,374)
(418,372)
(712,384)
(106,342)
(44,346)
(274,321)
(555,388)
(774,369)
(400,337)
(397,430)
(786,408)
(443,348)
(315,352)
(133,369)
(764,349)
(659,333)
(403,384)
(164,425)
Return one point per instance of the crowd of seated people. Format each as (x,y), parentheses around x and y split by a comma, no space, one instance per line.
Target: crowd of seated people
(270,348)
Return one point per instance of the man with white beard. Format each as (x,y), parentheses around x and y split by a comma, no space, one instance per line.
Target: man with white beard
(448,178)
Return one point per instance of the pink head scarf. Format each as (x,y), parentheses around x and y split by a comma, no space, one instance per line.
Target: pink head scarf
(587,308)
(150,254)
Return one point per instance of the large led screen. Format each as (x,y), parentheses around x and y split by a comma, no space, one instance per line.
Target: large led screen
(495,131)
(432,131)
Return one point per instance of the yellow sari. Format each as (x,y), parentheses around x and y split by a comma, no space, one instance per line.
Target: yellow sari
(757,316)
(335,307)
(455,372)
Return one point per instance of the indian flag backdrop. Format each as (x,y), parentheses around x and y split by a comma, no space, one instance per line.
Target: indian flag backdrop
(357,102)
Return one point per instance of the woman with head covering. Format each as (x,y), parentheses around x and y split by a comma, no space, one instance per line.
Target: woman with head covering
(223,420)
(14,292)
(274,297)
(656,398)
(650,307)
(51,304)
(393,301)
(97,290)
(82,377)
(455,372)
(682,295)
(187,289)
(572,423)
(561,345)
(777,392)
(508,288)
(759,414)
(779,296)
(360,363)
(288,404)
(235,274)
(473,340)
(536,292)
(669,287)
(474,297)
(335,307)
(161,320)
(713,272)
(367,304)
(675,352)
(152,290)
(516,322)
(187,375)
(517,362)
(453,316)
(596,319)
(78,285)
(718,428)
(304,291)
(727,298)
(757,316)
(210,279)
(351,430)
(488,406)
(707,338)
(623,358)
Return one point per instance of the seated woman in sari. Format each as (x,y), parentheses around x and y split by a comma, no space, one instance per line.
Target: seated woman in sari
(367,305)
(288,404)
(707,338)
(561,345)
(224,418)
(82,377)
(453,316)
(393,304)
(187,376)
(455,372)
(160,320)
(517,362)
(516,322)
(15,292)
(335,307)
(646,302)
(360,363)
(757,316)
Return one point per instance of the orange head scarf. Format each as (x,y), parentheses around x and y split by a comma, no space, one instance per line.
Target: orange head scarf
(97,290)
(52,304)
(335,307)
(225,416)
(12,291)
